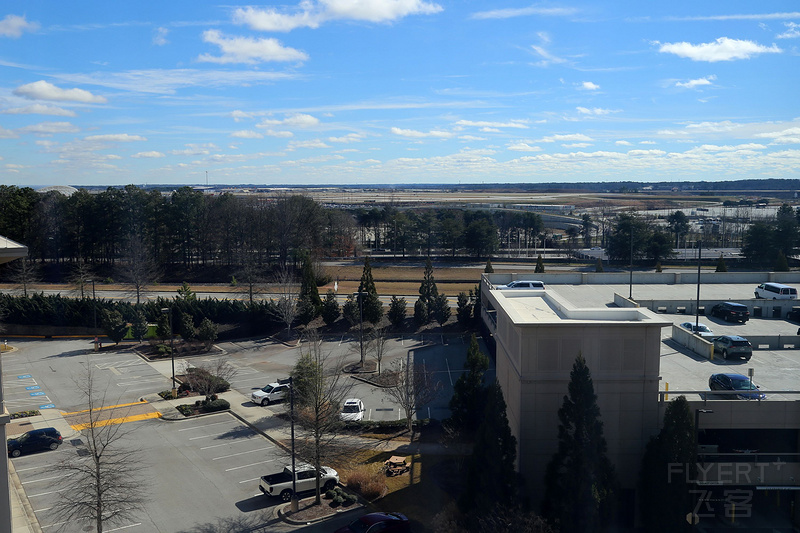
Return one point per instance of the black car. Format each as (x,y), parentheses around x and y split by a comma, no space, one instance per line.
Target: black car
(746,389)
(794,314)
(34,440)
(729,311)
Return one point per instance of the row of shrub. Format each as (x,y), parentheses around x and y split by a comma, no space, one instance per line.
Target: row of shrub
(24,414)
(204,406)
(57,310)
(340,497)
(366,425)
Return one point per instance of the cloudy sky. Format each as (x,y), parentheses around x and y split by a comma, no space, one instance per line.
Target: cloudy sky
(398,91)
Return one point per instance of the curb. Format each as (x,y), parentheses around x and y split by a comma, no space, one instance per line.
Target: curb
(283,516)
(33,522)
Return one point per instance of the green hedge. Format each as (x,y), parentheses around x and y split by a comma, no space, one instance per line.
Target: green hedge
(215,405)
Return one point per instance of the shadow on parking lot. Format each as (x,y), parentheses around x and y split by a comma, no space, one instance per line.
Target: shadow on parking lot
(262,521)
(259,502)
(239,432)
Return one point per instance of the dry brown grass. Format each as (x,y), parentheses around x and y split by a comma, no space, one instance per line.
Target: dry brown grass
(367,480)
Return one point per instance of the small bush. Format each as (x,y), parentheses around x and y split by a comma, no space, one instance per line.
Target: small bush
(329,495)
(163,349)
(186,410)
(166,394)
(24,414)
(338,500)
(216,405)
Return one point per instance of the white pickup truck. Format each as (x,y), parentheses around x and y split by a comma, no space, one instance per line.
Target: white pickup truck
(280,484)
(273,392)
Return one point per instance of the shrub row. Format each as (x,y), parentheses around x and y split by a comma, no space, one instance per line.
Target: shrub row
(24,414)
(340,497)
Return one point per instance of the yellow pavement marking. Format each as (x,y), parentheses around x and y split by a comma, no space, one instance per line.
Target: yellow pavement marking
(104,408)
(113,421)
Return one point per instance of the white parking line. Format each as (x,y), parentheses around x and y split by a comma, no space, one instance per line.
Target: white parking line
(150,380)
(251,464)
(122,527)
(46,479)
(260,378)
(242,453)
(46,493)
(227,443)
(449,375)
(208,436)
(201,427)
(249,480)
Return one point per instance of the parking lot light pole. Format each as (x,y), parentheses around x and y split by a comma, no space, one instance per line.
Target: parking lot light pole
(168,311)
(295,505)
(697,306)
(361,295)
(94,304)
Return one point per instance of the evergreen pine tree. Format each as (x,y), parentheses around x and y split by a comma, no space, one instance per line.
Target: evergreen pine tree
(721,267)
(467,401)
(397,311)
(441,309)
(539,265)
(139,327)
(309,294)
(781,264)
(669,463)
(373,308)
(464,309)
(579,481)
(598,267)
(330,308)
(489,268)
(428,294)
(491,477)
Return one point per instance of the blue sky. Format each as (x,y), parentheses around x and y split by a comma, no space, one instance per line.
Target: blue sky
(398,91)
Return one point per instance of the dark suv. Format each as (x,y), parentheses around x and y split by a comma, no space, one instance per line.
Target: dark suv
(729,311)
(34,440)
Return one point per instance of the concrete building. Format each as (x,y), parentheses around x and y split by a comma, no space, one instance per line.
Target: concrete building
(537,334)
(537,339)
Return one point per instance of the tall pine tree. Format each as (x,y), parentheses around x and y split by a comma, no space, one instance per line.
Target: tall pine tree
(428,296)
(468,391)
(579,482)
(491,477)
(668,465)
(373,308)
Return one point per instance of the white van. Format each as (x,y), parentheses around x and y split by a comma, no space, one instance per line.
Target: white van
(776,291)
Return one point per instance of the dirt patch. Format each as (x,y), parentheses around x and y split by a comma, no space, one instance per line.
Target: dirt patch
(310,511)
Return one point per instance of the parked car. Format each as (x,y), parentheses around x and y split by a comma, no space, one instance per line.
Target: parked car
(273,392)
(733,345)
(794,314)
(700,329)
(736,382)
(352,410)
(729,311)
(280,484)
(522,284)
(374,522)
(33,441)
(776,291)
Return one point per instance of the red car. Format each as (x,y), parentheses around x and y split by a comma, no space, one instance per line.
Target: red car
(374,522)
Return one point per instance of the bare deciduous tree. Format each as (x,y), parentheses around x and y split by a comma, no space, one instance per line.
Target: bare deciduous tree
(414,387)
(24,273)
(378,345)
(81,278)
(318,404)
(138,270)
(206,377)
(106,487)
(286,305)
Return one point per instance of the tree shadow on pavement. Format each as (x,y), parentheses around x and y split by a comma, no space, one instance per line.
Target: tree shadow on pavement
(261,522)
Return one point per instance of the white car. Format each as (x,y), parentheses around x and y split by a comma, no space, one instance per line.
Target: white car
(700,329)
(522,284)
(352,410)
(271,393)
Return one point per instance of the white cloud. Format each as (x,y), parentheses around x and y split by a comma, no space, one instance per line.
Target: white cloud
(39,109)
(623,143)
(638,153)
(647,142)
(248,50)
(148,155)
(588,86)
(548,58)
(421,134)
(525,12)
(7,134)
(297,120)
(115,137)
(247,134)
(196,149)
(14,26)
(160,36)
(792,31)
(787,136)
(755,16)
(49,128)
(576,145)
(349,138)
(579,137)
(723,49)
(310,14)
(523,147)
(691,84)
(314,143)
(279,134)
(595,111)
(471,138)
(42,90)
(520,124)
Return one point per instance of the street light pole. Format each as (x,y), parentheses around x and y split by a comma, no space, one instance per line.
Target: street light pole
(361,295)
(168,311)
(295,505)
(697,306)
(94,304)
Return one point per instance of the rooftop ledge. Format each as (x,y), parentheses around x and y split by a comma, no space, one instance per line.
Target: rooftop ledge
(545,306)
